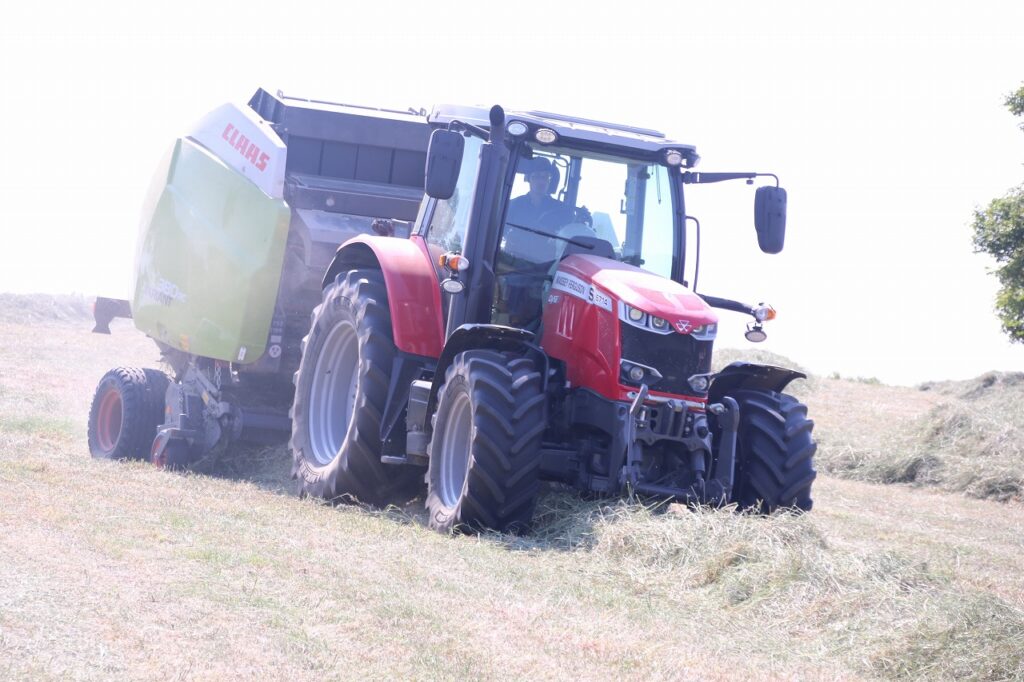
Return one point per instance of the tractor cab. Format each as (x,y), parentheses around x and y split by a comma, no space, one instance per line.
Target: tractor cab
(564,186)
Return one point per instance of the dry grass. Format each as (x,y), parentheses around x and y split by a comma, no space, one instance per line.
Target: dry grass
(960,436)
(965,436)
(121,571)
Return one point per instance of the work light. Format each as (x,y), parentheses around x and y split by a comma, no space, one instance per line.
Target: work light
(545,135)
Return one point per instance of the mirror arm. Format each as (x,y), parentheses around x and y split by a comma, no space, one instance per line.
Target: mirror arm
(727,304)
(697,178)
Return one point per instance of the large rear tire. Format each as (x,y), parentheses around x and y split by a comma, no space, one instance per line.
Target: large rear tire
(484,468)
(775,453)
(127,408)
(341,389)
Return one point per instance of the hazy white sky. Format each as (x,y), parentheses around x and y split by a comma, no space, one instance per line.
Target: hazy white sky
(884,121)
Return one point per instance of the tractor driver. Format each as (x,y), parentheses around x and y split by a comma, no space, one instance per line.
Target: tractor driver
(530,245)
(537,207)
(535,218)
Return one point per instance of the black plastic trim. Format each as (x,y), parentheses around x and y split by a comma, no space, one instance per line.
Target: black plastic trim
(748,375)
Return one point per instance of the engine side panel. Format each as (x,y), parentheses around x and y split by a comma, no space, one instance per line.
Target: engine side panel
(581,328)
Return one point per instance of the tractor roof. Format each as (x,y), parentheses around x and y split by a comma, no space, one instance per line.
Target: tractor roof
(597,133)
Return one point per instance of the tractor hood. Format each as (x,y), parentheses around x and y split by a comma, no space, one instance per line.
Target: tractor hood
(641,289)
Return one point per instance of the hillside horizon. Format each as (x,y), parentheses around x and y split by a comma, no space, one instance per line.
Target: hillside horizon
(37,307)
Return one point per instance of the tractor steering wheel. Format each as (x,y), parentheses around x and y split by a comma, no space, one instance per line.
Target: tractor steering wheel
(563,216)
(564,238)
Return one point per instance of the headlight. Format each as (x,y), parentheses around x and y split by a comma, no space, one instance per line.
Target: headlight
(705,332)
(635,373)
(642,319)
(698,382)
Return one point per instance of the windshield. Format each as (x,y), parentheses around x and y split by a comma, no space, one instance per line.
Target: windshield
(565,201)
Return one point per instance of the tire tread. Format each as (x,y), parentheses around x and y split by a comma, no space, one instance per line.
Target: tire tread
(142,399)
(356,473)
(775,452)
(503,480)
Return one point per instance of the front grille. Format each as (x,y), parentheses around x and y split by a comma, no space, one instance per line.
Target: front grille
(677,357)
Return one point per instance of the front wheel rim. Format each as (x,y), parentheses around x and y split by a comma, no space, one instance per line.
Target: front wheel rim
(455,450)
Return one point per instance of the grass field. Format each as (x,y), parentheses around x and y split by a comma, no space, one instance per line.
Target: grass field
(122,571)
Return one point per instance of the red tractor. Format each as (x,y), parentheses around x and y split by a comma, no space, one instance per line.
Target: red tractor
(537,325)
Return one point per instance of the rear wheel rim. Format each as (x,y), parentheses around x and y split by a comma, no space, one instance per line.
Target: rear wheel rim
(455,450)
(332,394)
(109,419)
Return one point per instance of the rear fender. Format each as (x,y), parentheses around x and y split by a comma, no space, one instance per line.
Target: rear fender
(414,295)
(747,375)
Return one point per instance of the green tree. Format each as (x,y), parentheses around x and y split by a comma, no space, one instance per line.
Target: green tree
(999,232)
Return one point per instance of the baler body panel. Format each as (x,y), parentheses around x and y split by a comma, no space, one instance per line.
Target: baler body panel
(246,212)
(211,248)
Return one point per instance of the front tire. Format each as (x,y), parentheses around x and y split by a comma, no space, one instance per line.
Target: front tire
(341,389)
(126,410)
(775,453)
(484,468)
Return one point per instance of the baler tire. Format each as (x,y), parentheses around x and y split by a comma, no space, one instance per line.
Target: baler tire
(336,437)
(774,453)
(126,410)
(484,467)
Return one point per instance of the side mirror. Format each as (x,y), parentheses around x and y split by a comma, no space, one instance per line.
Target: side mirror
(770,218)
(444,158)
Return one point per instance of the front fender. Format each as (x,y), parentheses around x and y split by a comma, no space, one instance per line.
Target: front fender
(414,295)
(742,375)
(490,336)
